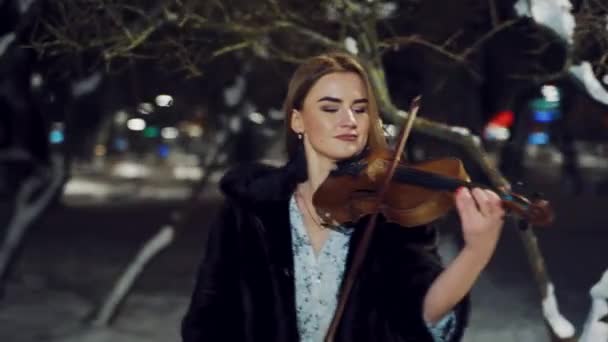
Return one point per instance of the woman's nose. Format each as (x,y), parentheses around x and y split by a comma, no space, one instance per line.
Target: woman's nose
(348,118)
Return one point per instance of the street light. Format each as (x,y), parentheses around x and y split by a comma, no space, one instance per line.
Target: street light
(136,124)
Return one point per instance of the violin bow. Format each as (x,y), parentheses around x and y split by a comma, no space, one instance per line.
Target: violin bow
(361,250)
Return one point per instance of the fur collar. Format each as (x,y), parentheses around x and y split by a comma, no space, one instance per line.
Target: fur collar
(259,184)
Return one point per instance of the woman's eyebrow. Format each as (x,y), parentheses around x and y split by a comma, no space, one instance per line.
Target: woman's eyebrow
(330,99)
(337,100)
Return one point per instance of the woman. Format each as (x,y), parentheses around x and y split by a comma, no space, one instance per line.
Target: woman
(272,272)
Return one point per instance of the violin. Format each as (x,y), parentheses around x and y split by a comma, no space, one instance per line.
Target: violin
(418,194)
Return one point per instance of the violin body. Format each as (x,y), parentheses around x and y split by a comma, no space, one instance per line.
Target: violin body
(347,198)
(415,194)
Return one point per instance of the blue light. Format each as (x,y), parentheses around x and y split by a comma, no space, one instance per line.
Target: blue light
(538,138)
(545,116)
(121,144)
(163,151)
(56,137)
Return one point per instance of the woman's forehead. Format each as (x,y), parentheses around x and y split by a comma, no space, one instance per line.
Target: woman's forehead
(346,86)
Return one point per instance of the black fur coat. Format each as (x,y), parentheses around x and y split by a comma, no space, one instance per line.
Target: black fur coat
(245,285)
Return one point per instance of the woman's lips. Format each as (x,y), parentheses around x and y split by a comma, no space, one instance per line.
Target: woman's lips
(347,137)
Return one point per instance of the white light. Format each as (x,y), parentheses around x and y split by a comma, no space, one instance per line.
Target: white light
(391,130)
(136,124)
(351,45)
(496,132)
(127,169)
(36,80)
(121,117)
(188,173)
(145,108)
(195,131)
(257,118)
(551,93)
(164,100)
(169,132)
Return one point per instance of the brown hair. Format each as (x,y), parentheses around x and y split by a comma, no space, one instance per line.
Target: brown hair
(305,77)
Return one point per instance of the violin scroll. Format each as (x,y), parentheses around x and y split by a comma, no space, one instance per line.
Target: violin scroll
(537,212)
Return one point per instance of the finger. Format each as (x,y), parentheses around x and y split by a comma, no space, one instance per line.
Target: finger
(483,201)
(496,208)
(465,205)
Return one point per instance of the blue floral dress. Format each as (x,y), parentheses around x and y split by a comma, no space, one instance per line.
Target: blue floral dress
(318,277)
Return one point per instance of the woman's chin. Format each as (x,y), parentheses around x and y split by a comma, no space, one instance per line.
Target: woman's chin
(345,154)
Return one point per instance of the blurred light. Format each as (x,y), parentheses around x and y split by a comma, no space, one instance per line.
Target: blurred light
(36,80)
(136,124)
(351,45)
(188,172)
(195,131)
(504,118)
(121,117)
(164,100)
(100,150)
(56,135)
(543,104)
(391,130)
(169,133)
(545,116)
(121,144)
(163,151)
(129,169)
(605,79)
(275,114)
(496,132)
(257,118)
(235,124)
(191,160)
(550,92)
(145,108)
(538,138)
(151,132)
(268,132)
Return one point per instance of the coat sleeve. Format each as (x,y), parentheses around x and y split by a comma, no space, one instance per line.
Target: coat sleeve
(214,302)
(420,264)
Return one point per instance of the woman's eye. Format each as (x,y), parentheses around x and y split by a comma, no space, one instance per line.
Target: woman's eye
(329,109)
(360,110)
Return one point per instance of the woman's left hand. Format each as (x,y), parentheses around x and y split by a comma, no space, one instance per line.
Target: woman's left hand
(482,218)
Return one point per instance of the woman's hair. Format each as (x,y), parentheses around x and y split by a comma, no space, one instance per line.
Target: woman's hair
(305,77)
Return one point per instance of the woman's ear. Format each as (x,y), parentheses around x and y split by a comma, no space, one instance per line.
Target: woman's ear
(297,125)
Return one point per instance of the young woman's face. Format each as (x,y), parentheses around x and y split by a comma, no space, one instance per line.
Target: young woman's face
(334,117)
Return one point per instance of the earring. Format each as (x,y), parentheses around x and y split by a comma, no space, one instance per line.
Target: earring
(299,136)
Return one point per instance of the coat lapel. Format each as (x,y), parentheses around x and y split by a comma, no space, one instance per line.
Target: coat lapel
(276,230)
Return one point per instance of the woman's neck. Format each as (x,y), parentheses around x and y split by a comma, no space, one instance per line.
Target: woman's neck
(318,168)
